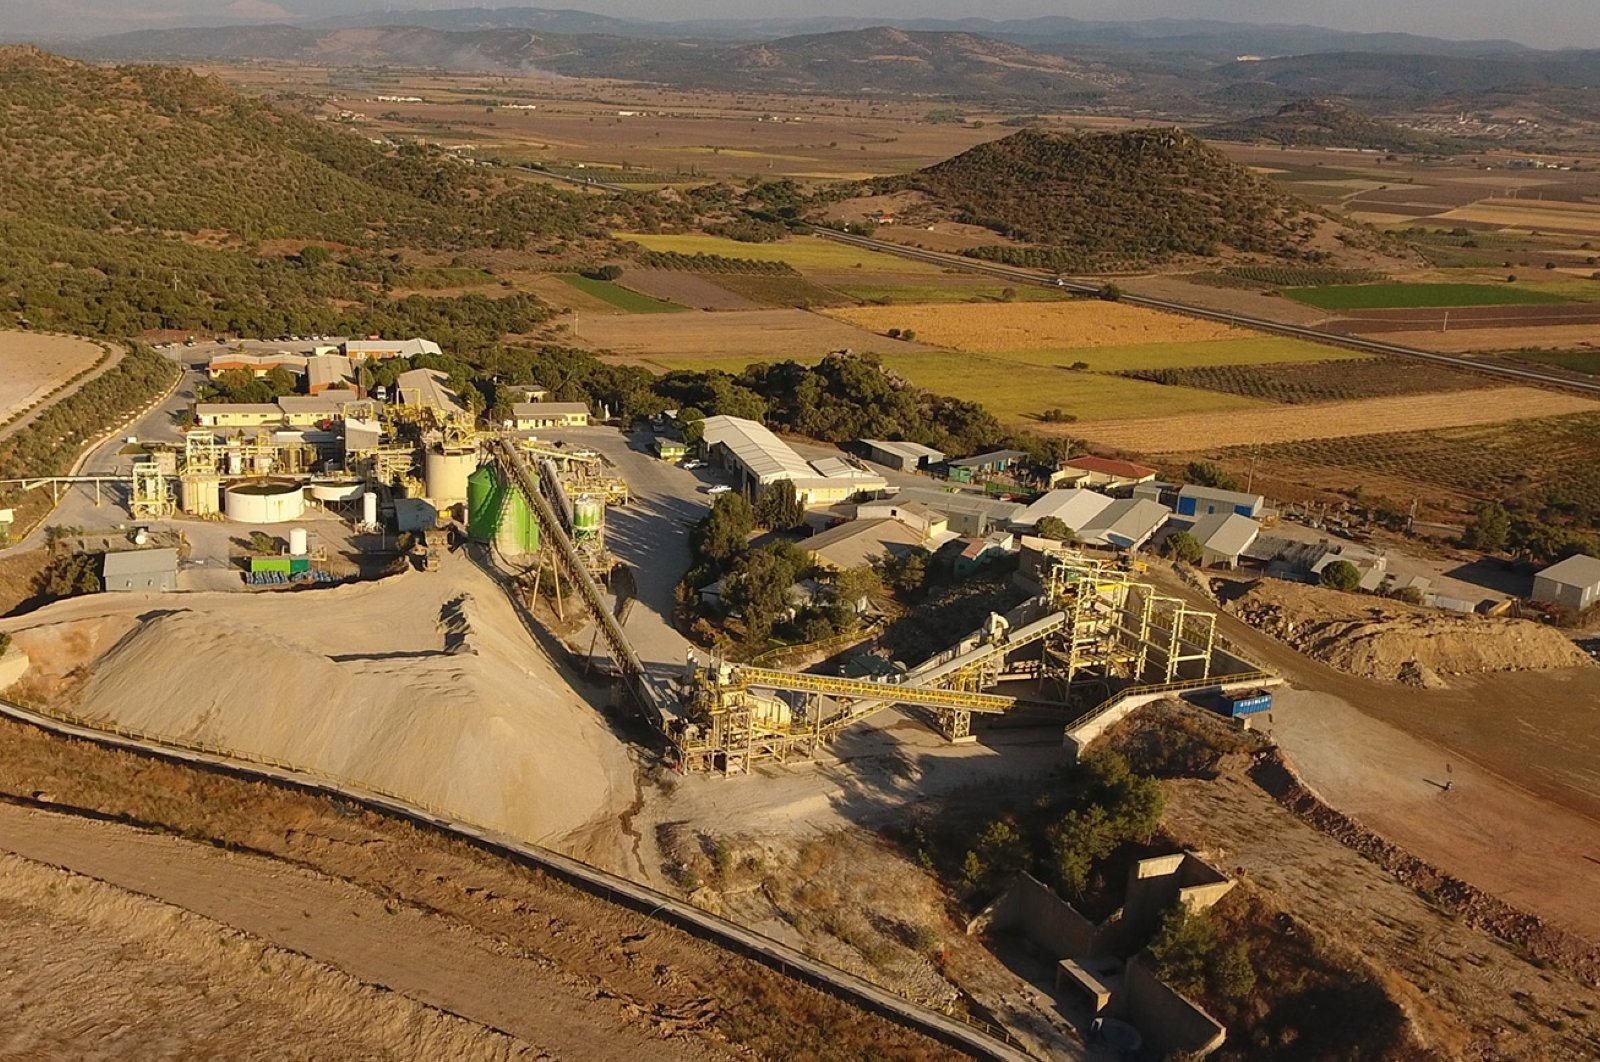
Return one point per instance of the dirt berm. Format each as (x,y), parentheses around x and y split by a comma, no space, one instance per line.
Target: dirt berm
(1383,639)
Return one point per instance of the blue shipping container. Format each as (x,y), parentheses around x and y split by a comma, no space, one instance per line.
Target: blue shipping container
(1253,703)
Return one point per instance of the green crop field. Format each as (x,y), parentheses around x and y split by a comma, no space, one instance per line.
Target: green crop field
(1413,296)
(801,252)
(1192,355)
(623,299)
(1015,393)
(1584,361)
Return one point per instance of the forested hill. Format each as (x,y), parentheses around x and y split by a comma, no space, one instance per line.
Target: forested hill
(157,150)
(141,198)
(1113,200)
(1329,123)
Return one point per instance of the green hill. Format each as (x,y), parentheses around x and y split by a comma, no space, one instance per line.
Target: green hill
(1093,201)
(146,197)
(1329,123)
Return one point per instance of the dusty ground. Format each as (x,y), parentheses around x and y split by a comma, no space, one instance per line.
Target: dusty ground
(773,334)
(1467,994)
(1495,340)
(36,364)
(483,936)
(1391,641)
(686,289)
(424,685)
(92,965)
(1329,420)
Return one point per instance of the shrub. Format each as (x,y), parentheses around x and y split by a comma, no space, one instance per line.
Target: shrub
(1184,547)
(1340,575)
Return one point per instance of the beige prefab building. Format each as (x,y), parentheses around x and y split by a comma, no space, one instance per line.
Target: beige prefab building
(532,416)
(1571,584)
(238,414)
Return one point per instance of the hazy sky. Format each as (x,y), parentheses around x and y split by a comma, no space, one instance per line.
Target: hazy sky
(1547,23)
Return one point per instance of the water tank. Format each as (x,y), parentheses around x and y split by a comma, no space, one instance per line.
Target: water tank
(297,542)
(331,491)
(445,474)
(235,463)
(264,501)
(200,495)
(588,514)
(369,508)
(485,499)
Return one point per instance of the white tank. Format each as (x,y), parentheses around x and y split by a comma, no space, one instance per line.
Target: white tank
(444,475)
(369,508)
(297,542)
(235,463)
(335,490)
(264,501)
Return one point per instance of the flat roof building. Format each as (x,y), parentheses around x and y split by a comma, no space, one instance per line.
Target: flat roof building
(1571,584)
(140,570)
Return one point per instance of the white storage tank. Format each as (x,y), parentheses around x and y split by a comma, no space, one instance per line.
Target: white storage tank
(444,475)
(298,542)
(332,491)
(264,501)
(369,508)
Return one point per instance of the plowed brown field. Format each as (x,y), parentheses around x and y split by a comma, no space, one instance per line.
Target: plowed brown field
(1489,405)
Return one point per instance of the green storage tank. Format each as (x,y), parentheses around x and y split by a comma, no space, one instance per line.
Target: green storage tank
(519,534)
(485,503)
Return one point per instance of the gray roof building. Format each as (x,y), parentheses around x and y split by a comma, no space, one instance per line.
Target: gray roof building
(1572,584)
(1127,523)
(140,570)
(1224,537)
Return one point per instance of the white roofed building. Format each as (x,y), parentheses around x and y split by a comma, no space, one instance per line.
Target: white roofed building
(1223,538)
(1075,508)
(1572,584)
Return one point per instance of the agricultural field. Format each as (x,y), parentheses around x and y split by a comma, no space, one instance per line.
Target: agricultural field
(1001,327)
(805,253)
(954,288)
(1474,462)
(1267,351)
(621,298)
(1409,296)
(1020,396)
(1584,361)
(730,340)
(1317,381)
(686,289)
(1268,424)
(782,291)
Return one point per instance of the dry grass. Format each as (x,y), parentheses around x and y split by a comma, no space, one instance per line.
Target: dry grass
(1079,324)
(1564,217)
(758,335)
(32,365)
(1495,340)
(1333,420)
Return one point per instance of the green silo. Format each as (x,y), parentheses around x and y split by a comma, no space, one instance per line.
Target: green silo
(519,534)
(486,498)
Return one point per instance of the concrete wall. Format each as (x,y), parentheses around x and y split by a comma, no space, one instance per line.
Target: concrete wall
(1169,1023)
(1051,923)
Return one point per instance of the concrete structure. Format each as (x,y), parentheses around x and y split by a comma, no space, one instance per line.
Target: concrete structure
(1108,472)
(1127,523)
(902,456)
(1208,501)
(415,514)
(264,501)
(1223,538)
(967,513)
(981,466)
(1571,584)
(429,389)
(139,570)
(533,416)
(859,541)
(382,349)
(1075,508)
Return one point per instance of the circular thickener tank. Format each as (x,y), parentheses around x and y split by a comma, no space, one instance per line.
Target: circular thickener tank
(336,490)
(587,516)
(485,500)
(264,501)
(298,542)
(519,531)
(445,474)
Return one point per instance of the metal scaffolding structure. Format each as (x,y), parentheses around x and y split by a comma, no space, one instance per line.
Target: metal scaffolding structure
(151,497)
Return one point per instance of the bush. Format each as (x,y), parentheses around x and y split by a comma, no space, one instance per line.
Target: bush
(1056,528)
(605,272)
(1340,575)
(1184,547)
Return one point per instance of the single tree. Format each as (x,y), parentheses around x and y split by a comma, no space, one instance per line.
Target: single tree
(1184,547)
(1056,528)
(1340,575)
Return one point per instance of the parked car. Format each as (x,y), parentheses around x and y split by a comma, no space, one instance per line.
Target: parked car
(718,488)
(694,463)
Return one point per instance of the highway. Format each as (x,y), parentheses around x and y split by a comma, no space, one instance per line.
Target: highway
(1260,324)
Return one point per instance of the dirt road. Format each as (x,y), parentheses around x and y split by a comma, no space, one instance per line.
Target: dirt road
(1378,752)
(441,964)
